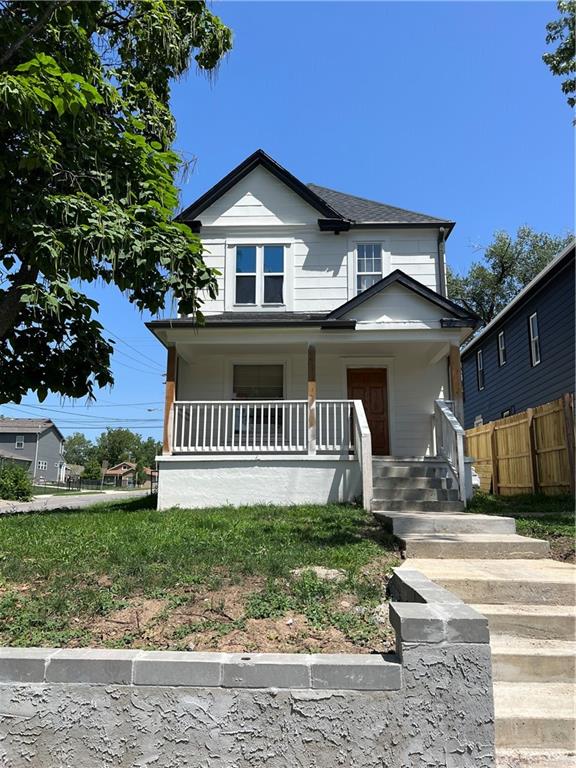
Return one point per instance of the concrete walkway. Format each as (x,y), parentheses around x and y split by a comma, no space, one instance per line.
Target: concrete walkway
(65,501)
(530,603)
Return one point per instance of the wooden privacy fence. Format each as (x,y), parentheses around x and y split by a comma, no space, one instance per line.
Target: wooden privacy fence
(529,452)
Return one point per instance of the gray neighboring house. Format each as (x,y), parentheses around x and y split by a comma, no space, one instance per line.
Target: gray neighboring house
(36,442)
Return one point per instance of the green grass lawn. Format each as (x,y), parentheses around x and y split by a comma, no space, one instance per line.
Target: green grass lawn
(124,575)
(543,517)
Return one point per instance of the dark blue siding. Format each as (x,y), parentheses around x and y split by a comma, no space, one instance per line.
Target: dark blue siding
(517,385)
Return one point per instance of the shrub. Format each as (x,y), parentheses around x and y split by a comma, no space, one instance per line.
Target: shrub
(15,483)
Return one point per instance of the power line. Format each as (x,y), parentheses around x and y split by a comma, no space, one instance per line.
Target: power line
(138,352)
(76,415)
(95,405)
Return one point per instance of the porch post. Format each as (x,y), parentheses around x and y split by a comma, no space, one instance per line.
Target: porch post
(311,399)
(169,394)
(456,382)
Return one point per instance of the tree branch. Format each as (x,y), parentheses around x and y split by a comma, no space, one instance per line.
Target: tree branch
(44,18)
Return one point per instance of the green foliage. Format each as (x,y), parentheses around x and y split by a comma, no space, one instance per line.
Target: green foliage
(88,178)
(91,562)
(92,469)
(15,482)
(508,264)
(562,61)
(78,449)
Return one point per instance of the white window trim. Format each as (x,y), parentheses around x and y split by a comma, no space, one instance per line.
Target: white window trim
(480,369)
(19,443)
(535,352)
(42,465)
(501,349)
(230,274)
(353,244)
(377,275)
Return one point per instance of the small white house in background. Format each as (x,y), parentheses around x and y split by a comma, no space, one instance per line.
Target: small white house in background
(331,341)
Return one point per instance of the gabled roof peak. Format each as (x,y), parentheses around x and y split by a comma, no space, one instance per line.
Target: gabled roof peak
(338,210)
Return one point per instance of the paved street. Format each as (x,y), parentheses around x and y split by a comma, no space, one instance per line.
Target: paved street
(48,503)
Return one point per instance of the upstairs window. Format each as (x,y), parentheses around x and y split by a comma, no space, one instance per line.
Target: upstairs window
(480,370)
(260,274)
(501,349)
(19,444)
(368,265)
(42,464)
(534,339)
(258,382)
(246,274)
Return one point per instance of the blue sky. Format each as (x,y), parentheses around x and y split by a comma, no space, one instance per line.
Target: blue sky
(445,108)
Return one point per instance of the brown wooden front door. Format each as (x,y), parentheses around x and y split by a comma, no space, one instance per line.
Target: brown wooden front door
(371,386)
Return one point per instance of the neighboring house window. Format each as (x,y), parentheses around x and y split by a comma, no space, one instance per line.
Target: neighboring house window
(478,421)
(480,369)
(259,274)
(42,464)
(507,412)
(19,442)
(368,265)
(534,339)
(501,349)
(258,382)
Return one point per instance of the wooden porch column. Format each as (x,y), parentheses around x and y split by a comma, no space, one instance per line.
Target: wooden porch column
(311,399)
(169,395)
(456,382)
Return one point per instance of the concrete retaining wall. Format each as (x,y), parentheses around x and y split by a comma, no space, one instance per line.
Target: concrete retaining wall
(428,705)
(213,481)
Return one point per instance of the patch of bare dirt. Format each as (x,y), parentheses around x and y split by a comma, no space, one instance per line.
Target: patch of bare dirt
(292,634)
(563,549)
(136,618)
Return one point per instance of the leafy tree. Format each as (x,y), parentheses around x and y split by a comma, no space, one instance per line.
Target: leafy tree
(92,469)
(88,178)
(15,482)
(78,449)
(116,445)
(562,61)
(149,450)
(507,266)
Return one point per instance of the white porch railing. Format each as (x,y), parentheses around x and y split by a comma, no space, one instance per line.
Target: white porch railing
(271,426)
(334,430)
(449,435)
(274,426)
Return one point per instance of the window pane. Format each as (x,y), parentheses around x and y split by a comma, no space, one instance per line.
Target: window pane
(245,290)
(370,257)
(258,382)
(245,258)
(273,290)
(273,258)
(365,281)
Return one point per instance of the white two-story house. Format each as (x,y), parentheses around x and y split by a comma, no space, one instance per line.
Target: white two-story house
(331,341)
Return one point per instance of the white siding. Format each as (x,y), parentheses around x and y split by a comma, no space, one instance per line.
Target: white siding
(320,267)
(259,199)
(397,304)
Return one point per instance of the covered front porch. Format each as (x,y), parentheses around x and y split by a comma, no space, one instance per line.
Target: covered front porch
(298,418)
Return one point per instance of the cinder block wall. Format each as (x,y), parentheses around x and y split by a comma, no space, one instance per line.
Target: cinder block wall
(428,705)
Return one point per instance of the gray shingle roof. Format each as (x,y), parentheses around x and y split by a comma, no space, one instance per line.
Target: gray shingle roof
(361,210)
(25,425)
(4,454)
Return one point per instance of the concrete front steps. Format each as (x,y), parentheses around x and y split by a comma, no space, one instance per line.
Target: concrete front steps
(414,485)
(535,716)
(531,610)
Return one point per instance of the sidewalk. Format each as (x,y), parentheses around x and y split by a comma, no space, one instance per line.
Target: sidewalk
(49,503)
